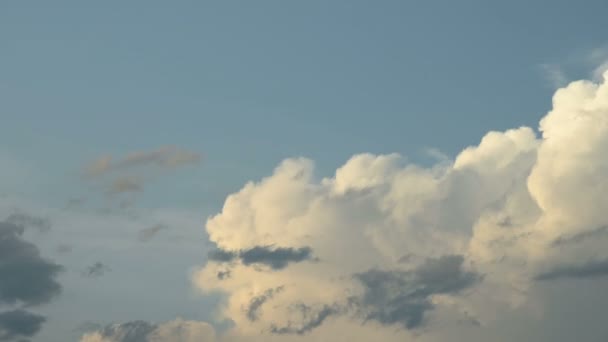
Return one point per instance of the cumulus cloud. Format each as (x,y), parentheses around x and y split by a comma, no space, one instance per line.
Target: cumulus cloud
(178,330)
(395,250)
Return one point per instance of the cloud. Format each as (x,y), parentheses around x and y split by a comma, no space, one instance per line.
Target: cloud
(178,330)
(162,158)
(312,319)
(98,269)
(478,231)
(64,249)
(147,234)
(275,258)
(255,305)
(125,185)
(590,269)
(19,324)
(555,75)
(404,297)
(579,237)
(29,221)
(25,276)
(129,174)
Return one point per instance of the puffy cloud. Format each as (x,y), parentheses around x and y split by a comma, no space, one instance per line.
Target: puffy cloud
(178,330)
(433,252)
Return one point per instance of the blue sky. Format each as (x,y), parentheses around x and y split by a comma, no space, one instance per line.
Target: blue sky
(230,79)
(246,84)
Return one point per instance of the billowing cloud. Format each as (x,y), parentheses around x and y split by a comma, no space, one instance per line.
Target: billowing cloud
(164,157)
(459,250)
(178,330)
(19,324)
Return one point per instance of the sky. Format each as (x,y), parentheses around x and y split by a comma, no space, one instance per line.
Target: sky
(243,171)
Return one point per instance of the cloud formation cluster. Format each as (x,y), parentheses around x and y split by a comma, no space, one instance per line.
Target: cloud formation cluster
(394,250)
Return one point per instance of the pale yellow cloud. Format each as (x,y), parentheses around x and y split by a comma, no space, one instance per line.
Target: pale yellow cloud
(500,206)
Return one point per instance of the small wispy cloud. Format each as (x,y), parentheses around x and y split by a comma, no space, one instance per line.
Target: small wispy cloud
(147,234)
(130,173)
(555,75)
(96,270)
(163,158)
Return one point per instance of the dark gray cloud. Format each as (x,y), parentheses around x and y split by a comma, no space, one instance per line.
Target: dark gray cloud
(221,255)
(147,234)
(29,221)
(221,275)
(311,320)
(19,324)
(275,258)
(591,269)
(96,270)
(25,276)
(403,297)
(255,305)
(135,331)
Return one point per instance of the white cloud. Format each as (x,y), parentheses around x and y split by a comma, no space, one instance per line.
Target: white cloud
(500,206)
